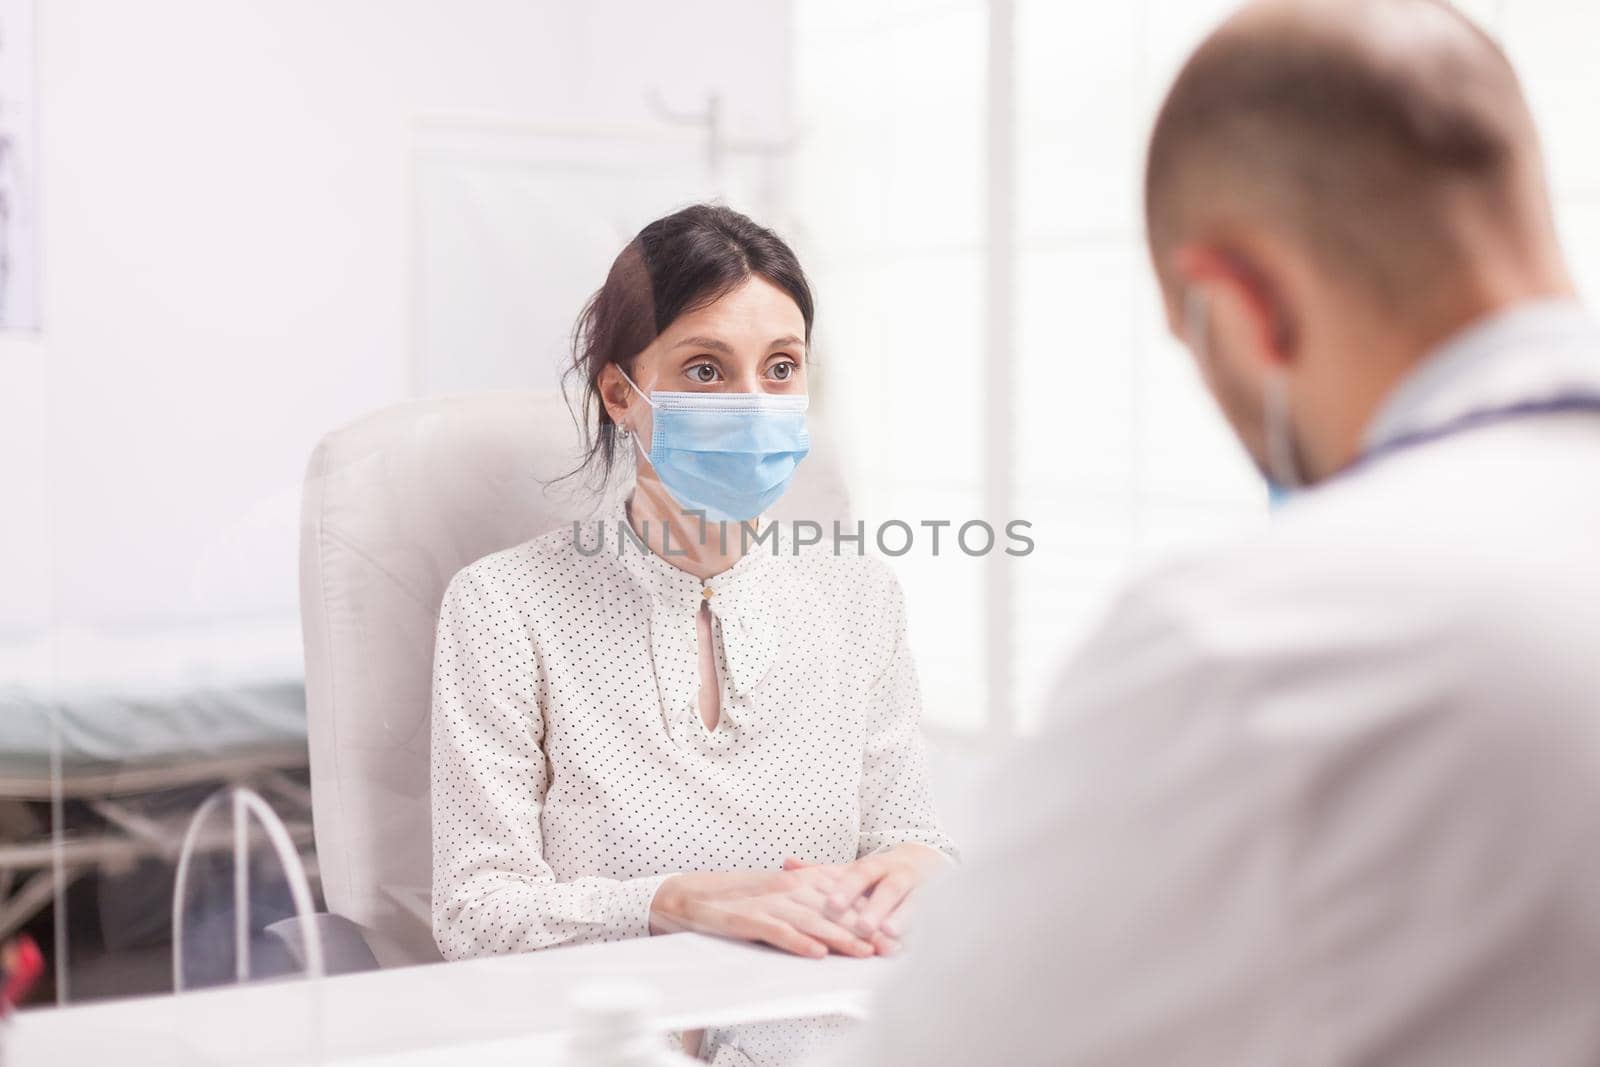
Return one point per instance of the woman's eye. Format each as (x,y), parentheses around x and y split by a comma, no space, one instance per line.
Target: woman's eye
(783,371)
(703,373)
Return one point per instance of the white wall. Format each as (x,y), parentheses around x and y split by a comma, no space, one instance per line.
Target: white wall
(226,248)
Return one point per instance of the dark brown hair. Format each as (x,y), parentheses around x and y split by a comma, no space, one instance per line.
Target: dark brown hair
(677,264)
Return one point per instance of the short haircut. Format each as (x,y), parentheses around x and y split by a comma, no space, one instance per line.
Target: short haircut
(1356,126)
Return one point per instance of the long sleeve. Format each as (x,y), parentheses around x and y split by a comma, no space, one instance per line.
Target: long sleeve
(896,801)
(493,892)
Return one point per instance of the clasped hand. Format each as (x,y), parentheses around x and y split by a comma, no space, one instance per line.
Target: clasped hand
(858,908)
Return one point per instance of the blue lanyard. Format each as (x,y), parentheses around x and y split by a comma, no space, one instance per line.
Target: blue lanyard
(1555,405)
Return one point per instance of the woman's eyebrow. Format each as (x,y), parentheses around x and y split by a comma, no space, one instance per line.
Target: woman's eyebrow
(705,342)
(723,346)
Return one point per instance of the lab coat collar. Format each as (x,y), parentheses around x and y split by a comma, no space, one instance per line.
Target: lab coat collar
(743,600)
(1536,351)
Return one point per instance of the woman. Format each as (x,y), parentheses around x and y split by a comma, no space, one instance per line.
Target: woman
(669,719)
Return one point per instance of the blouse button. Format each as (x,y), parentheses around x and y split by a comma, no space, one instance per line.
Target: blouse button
(706,592)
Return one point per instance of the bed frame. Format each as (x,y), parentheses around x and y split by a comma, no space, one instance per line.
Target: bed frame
(118,835)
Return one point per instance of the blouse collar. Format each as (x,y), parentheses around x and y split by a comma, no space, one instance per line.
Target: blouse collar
(743,599)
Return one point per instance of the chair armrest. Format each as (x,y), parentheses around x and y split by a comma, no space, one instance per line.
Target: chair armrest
(344,948)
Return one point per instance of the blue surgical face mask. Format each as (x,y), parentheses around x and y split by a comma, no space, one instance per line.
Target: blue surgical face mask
(731,455)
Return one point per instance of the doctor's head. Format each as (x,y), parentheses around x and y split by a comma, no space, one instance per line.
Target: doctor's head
(704,300)
(1332,188)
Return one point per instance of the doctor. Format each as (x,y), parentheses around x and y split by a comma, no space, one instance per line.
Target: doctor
(1331,794)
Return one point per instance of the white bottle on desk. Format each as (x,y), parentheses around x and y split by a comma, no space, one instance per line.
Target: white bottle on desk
(614,1026)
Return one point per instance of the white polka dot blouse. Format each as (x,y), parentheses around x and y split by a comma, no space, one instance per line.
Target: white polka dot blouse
(571,770)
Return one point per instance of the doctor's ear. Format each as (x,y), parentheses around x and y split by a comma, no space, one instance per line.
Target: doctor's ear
(1242,300)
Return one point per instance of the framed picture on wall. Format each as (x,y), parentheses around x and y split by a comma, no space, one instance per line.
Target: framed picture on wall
(19,190)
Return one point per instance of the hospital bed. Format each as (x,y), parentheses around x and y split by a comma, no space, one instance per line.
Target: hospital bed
(114,722)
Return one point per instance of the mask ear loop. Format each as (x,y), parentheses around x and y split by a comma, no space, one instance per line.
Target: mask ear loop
(642,394)
(1283,466)
(1281,459)
(628,432)
(1197,328)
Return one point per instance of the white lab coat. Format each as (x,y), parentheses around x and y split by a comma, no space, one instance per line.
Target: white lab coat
(1328,795)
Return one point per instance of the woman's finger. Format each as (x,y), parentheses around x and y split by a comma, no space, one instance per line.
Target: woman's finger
(818,926)
(885,944)
(897,920)
(819,901)
(818,881)
(813,874)
(761,925)
(852,884)
(886,897)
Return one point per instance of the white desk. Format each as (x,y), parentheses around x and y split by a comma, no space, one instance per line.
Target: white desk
(515,1005)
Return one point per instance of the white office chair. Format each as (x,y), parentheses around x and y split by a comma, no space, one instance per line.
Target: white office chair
(394,505)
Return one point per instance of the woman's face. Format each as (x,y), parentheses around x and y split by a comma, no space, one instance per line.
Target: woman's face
(749,341)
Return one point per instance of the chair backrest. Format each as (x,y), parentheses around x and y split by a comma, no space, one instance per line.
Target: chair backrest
(394,505)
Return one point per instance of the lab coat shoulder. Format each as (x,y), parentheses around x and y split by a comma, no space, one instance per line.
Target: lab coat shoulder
(1332,584)
(1325,632)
